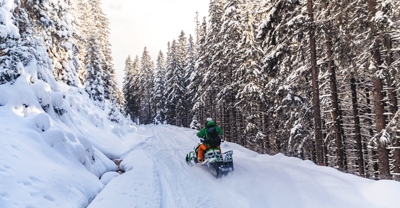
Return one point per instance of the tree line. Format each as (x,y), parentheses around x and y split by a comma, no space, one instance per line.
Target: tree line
(314,80)
(76,36)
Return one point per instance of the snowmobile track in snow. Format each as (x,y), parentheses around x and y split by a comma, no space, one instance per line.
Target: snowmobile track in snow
(157,175)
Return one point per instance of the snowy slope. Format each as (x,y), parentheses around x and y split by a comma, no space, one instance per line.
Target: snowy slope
(157,176)
(55,143)
(50,159)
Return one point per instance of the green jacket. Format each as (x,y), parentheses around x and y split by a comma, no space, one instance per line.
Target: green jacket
(203,132)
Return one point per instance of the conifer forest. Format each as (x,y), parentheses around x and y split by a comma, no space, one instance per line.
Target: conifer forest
(313,79)
(316,80)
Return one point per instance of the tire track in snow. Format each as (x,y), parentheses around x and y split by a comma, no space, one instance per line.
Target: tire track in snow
(179,189)
(160,177)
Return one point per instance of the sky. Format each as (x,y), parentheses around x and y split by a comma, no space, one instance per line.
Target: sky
(136,24)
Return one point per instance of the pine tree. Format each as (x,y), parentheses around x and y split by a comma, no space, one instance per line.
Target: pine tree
(56,26)
(13,49)
(189,70)
(182,52)
(94,83)
(196,77)
(120,100)
(209,86)
(376,62)
(113,115)
(145,88)
(174,88)
(197,31)
(159,89)
(231,31)
(134,91)
(252,78)
(127,87)
(101,27)
(315,84)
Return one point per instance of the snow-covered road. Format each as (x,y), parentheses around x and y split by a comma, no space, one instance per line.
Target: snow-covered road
(157,176)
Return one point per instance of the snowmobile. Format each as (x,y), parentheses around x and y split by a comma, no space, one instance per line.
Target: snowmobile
(219,164)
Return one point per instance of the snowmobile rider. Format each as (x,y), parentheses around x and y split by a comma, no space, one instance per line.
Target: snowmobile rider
(206,143)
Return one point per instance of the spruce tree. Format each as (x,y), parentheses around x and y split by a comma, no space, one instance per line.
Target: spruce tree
(145,88)
(94,83)
(189,70)
(127,87)
(135,84)
(159,89)
(54,22)
(101,27)
(196,78)
(174,87)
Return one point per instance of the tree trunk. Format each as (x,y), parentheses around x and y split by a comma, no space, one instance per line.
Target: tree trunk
(357,129)
(393,109)
(396,143)
(383,154)
(238,127)
(337,128)
(233,127)
(325,149)
(244,137)
(266,144)
(372,166)
(227,125)
(315,85)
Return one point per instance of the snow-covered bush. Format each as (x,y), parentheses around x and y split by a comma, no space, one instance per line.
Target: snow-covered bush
(114,114)
(195,123)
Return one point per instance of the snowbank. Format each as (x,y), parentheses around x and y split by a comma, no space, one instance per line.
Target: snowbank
(55,143)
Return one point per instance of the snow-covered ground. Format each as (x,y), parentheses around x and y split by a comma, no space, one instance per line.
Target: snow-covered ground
(55,144)
(158,176)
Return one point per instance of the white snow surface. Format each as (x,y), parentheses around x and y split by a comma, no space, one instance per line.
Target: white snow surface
(158,176)
(7,28)
(107,177)
(48,159)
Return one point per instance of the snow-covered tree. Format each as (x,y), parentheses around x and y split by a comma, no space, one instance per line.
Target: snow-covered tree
(127,86)
(189,70)
(146,88)
(101,27)
(200,69)
(159,89)
(94,83)
(113,115)
(55,22)
(174,88)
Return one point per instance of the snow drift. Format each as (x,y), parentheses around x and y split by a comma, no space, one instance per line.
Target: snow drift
(55,143)
(52,140)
